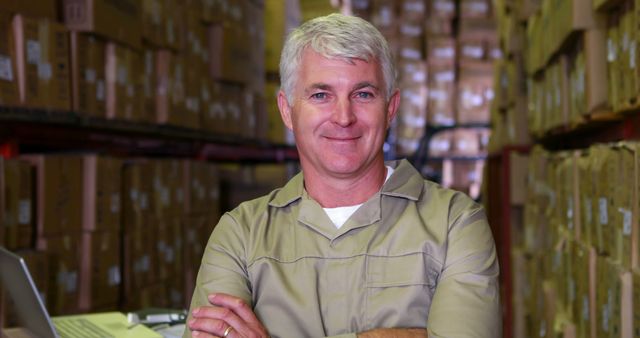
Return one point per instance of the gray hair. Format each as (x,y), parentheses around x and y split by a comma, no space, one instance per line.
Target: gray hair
(336,36)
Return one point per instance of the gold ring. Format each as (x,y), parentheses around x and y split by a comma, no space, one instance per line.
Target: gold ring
(227,331)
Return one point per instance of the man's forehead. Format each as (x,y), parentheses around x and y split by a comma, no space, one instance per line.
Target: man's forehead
(312,53)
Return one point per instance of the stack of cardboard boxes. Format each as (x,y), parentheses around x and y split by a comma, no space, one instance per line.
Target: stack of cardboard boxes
(102,233)
(580,237)
(580,232)
(281,16)
(190,64)
(444,51)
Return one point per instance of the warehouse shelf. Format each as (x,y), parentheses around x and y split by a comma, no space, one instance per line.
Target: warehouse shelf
(499,214)
(421,156)
(599,129)
(28,130)
(457,158)
(455,126)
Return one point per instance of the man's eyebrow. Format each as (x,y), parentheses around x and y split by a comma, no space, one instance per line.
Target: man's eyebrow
(365,84)
(321,86)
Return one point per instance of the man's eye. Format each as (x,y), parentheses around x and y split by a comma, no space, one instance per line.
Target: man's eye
(319,96)
(364,95)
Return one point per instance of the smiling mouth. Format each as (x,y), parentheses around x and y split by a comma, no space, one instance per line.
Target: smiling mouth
(341,139)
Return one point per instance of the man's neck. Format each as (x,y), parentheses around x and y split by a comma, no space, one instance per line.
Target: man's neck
(332,192)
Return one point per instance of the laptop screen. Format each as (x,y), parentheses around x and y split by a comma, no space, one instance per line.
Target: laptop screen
(18,284)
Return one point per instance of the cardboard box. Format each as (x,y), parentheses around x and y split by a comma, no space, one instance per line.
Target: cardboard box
(276,130)
(624,203)
(519,164)
(120,21)
(441,50)
(8,71)
(438,26)
(626,304)
(137,194)
(16,204)
(58,194)
(149,83)
(64,269)
(278,18)
(442,88)
(442,8)
(476,9)
(470,141)
(171,88)
(153,21)
(475,92)
(228,53)
(411,41)
(42,54)
(585,191)
(138,261)
(41,9)
(636,302)
(100,277)
(257,45)
(195,186)
(613,60)
(124,71)
(88,74)
(101,194)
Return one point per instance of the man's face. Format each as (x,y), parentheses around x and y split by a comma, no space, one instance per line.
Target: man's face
(339,114)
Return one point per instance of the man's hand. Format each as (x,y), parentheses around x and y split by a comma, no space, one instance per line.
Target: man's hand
(394,333)
(229,317)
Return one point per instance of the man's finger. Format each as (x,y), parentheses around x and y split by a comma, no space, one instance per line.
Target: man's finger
(217,320)
(237,305)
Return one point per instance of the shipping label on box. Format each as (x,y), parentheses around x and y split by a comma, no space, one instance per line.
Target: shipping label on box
(101,193)
(171,88)
(137,193)
(100,277)
(64,268)
(153,21)
(124,72)
(17,208)
(42,52)
(88,74)
(9,95)
(442,89)
(149,85)
(138,269)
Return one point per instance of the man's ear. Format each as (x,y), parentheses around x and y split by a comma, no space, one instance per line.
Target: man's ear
(285,109)
(392,106)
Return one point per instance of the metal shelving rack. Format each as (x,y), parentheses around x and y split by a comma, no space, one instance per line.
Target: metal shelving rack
(29,130)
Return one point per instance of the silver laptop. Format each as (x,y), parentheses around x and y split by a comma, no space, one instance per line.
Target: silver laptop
(18,284)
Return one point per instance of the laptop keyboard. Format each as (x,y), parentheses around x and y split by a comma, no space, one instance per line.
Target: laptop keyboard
(79,328)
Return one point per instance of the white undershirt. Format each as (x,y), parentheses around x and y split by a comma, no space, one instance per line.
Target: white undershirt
(340,215)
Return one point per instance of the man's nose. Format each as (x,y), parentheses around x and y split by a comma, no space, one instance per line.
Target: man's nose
(344,115)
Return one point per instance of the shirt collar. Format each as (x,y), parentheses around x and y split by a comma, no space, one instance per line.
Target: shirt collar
(406,182)
(291,192)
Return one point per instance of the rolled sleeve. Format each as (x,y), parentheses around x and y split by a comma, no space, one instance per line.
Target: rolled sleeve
(466,302)
(222,269)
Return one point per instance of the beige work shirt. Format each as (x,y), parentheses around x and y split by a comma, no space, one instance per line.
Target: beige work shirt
(415,255)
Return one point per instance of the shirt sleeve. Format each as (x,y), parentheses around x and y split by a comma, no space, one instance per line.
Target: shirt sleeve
(223,269)
(468,285)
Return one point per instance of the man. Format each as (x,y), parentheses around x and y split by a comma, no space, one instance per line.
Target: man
(351,246)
